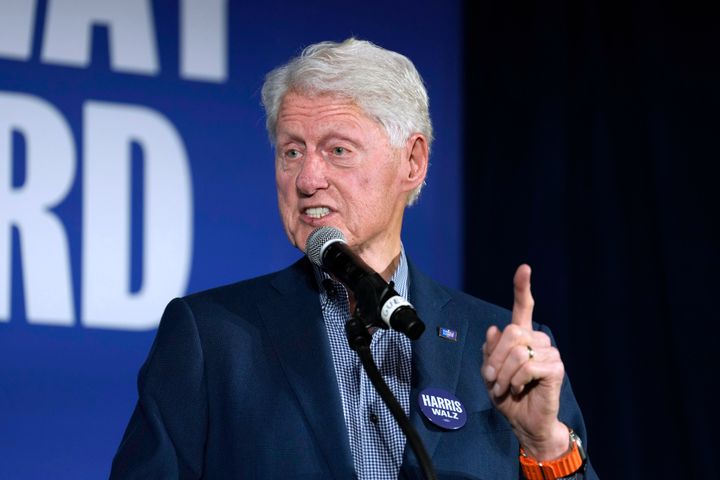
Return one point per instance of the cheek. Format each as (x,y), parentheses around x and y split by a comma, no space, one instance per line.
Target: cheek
(366,184)
(285,187)
(286,207)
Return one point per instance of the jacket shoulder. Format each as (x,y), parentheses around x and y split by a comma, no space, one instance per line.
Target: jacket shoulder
(254,290)
(424,287)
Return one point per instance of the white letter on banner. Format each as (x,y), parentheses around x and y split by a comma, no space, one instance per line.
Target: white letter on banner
(203,40)
(110,130)
(50,171)
(16,28)
(131,33)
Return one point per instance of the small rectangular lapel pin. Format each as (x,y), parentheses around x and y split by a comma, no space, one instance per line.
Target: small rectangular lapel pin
(447,334)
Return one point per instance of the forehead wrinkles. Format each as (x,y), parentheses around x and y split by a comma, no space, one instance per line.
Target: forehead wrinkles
(319,121)
(312,115)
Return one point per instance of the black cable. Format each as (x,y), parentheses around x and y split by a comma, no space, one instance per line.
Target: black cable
(359,339)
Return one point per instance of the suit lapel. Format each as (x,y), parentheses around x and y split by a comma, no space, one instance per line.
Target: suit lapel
(294,320)
(436,361)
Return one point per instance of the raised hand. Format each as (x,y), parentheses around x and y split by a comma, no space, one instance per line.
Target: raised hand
(524,374)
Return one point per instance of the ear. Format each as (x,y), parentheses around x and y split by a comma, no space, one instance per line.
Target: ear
(417,158)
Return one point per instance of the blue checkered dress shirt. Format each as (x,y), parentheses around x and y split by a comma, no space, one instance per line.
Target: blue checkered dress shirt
(376,441)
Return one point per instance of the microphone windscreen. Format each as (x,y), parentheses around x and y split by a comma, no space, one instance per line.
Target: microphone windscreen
(320,238)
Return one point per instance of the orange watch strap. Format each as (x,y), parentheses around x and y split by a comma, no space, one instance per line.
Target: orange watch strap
(561,467)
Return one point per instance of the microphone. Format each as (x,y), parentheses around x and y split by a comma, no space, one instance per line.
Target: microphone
(378,304)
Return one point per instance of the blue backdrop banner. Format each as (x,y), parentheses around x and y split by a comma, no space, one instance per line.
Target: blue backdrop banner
(134,168)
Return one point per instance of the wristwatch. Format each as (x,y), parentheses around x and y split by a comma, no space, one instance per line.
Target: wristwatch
(561,467)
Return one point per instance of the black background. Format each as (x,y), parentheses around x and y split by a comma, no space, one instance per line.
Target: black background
(591,147)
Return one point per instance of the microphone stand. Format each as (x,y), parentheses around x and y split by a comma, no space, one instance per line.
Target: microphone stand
(359,339)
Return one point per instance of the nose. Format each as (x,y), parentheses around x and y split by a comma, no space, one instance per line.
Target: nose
(312,175)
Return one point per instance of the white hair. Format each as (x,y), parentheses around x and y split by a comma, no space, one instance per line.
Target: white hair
(385,84)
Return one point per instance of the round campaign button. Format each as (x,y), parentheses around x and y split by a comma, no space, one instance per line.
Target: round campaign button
(442,408)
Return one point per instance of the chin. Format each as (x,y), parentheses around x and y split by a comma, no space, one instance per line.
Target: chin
(299,239)
(300,235)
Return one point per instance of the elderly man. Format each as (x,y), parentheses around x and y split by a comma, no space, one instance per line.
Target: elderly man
(256,379)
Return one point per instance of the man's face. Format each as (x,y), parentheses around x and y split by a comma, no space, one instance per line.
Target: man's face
(334,166)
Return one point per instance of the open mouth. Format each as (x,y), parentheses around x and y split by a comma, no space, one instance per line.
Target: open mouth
(317,212)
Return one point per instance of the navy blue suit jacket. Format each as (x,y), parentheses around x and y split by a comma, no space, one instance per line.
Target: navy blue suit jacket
(240,383)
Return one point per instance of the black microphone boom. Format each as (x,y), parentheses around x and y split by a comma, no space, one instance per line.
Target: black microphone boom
(378,304)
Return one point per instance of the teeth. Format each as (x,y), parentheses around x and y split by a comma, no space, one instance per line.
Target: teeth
(317,212)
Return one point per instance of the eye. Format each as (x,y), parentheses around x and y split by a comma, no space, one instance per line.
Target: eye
(292,153)
(339,151)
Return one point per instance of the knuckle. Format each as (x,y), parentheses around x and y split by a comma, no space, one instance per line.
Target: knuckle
(519,353)
(555,354)
(541,338)
(513,331)
(527,369)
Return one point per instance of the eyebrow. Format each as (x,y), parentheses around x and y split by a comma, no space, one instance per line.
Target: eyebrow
(288,137)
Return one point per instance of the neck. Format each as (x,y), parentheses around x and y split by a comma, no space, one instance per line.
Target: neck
(382,251)
(384,261)
(388,272)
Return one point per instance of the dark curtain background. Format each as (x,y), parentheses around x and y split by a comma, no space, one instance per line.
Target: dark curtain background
(592,140)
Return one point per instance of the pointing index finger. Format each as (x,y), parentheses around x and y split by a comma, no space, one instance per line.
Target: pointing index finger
(524,302)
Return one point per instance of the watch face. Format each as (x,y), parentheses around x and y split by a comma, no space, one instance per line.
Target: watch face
(575,438)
